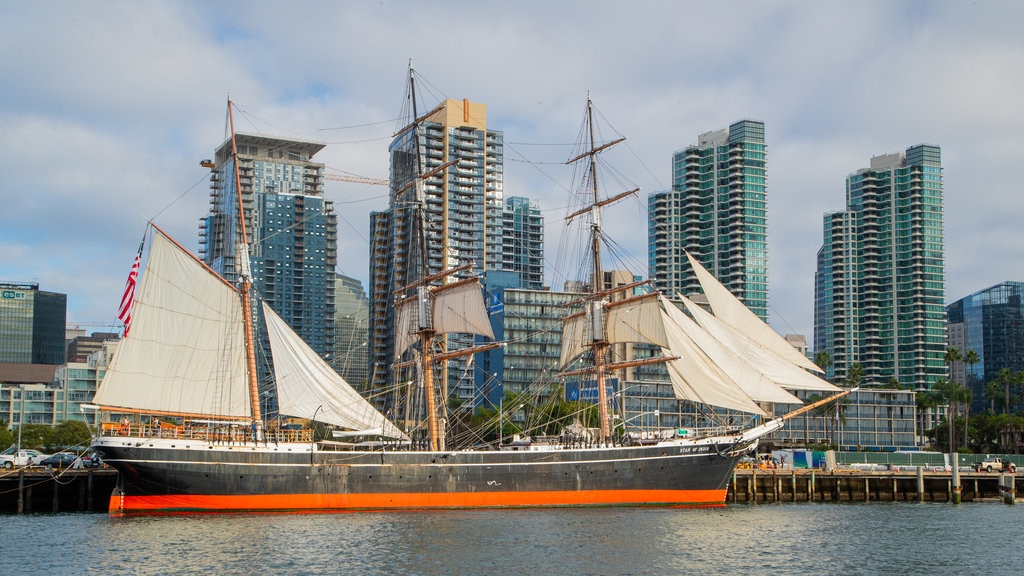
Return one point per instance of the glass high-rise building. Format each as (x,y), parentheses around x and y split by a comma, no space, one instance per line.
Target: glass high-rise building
(461,224)
(880,284)
(351,321)
(523,241)
(31,325)
(990,322)
(717,210)
(290,225)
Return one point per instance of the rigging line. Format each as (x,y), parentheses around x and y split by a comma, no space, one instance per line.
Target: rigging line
(370,199)
(202,179)
(360,125)
(379,139)
(252,118)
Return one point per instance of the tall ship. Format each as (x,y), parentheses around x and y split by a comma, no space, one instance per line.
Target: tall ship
(181,417)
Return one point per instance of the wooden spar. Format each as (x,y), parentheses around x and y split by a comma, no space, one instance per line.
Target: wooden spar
(612,366)
(614,290)
(814,405)
(593,150)
(604,202)
(425,176)
(466,351)
(431,278)
(250,348)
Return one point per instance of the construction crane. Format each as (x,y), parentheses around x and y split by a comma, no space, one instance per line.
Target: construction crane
(358,179)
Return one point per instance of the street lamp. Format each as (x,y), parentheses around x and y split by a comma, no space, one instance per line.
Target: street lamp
(21,418)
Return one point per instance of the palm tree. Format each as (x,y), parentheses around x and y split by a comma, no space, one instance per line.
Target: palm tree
(946,391)
(1006,378)
(952,357)
(823,360)
(971,358)
(854,375)
(993,391)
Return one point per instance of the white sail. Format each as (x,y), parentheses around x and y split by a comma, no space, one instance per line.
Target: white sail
(637,320)
(754,382)
(460,308)
(779,370)
(308,387)
(405,325)
(730,310)
(577,336)
(186,350)
(454,308)
(696,377)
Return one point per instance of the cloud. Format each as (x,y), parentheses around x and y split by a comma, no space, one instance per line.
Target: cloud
(109,106)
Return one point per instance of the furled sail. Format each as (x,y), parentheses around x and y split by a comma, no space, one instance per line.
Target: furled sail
(779,370)
(730,310)
(577,335)
(307,386)
(754,382)
(458,307)
(186,351)
(636,320)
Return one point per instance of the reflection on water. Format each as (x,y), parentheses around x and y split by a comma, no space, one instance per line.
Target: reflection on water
(876,538)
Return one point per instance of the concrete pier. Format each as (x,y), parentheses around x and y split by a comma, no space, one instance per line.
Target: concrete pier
(913,484)
(41,490)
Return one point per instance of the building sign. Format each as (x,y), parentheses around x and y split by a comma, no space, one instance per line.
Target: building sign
(12,295)
(586,391)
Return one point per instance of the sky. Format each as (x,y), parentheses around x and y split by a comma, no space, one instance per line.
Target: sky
(108,107)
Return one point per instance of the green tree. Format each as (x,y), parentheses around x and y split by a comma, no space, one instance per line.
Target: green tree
(823,360)
(70,434)
(6,438)
(36,436)
(1005,379)
(854,375)
(971,358)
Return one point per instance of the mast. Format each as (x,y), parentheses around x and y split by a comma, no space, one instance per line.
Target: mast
(426,332)
(242,253)
(600,341)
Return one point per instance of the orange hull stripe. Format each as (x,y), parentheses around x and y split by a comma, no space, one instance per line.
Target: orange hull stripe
(413,501)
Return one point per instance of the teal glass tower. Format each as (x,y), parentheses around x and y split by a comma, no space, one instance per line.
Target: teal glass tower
(880,286)
(717,210)
(522,243)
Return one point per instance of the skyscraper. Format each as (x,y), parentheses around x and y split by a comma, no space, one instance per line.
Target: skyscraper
(461,206)
(523,241)
(290,225)
(717,210)
(349,357)
(879,286)
(31,332)
(990,322)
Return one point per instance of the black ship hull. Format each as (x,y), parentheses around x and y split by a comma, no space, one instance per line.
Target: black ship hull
(163,475)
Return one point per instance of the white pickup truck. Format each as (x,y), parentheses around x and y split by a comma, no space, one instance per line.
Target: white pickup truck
(13,457)
(995,465)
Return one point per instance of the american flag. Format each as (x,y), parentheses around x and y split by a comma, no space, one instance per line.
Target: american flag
(124,312)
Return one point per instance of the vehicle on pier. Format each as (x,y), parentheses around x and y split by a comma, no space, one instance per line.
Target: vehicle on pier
(995,465)
(14,458)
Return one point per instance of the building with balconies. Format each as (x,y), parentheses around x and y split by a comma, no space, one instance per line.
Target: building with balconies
(717,210)
(880,284)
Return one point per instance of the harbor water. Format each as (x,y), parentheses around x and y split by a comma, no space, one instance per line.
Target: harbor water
(791,539)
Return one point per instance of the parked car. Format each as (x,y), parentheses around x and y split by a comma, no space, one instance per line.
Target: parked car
(59,460)
(92,460)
